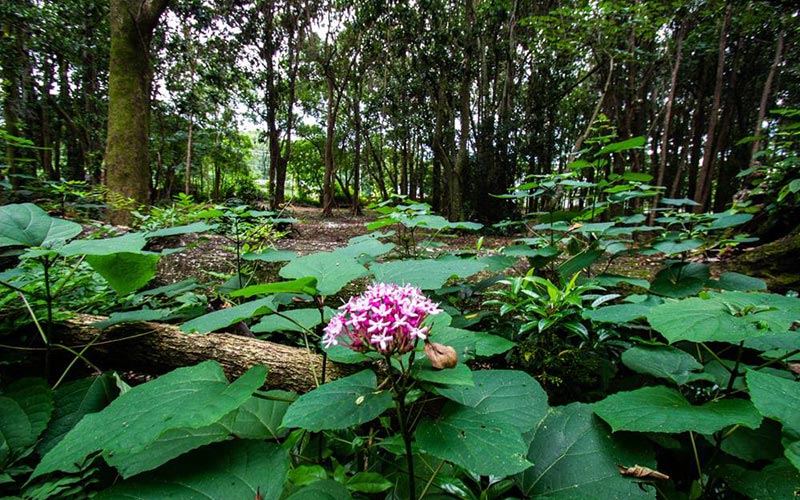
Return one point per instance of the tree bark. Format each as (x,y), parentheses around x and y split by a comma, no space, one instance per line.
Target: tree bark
(706,176)
(673,87)
(762,109)
(132,25)
(157,348)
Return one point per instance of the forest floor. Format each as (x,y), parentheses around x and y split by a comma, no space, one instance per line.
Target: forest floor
(213,254)
(208,257)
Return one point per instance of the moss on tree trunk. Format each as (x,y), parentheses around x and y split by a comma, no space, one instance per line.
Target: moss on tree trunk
(128,171)
(777,263)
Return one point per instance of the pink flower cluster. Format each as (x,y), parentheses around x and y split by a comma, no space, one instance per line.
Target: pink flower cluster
(387,317)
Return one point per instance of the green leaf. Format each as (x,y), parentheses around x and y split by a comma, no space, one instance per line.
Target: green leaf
(574,457)
(345,402)
(307,474)
(618,313)
(665,410)
(777,481)
(470,439)
(15,428)
(674,247)
(665,362)
(722,221)
(307,285)
(133,317)
(776,398)
(511,398)
(427,274)
(753,445)
(332,270)
(196,227)
(739,282)
(368,245)
(295,320)
(725,317)
(125,272)
(579,262)
(187,398)
(260,418)
(226,317)
(271,255)
(423,370)
(326,489)
(469,344)
(237,469)
(614,280)
(35,398)
(368,482)
(128,243)
(73,401)
(27,225)
(681,279)
(679,202)
(627,144)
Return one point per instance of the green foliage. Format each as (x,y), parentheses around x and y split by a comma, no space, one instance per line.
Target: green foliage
(413,222)
(575,457)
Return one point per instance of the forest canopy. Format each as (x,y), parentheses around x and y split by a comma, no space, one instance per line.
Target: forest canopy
(452,103)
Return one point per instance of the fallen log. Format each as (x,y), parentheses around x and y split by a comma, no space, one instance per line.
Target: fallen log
(157,348)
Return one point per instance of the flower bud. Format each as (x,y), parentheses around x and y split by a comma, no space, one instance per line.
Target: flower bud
(441,356)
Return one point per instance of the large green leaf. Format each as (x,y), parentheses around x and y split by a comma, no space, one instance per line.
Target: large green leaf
(777,481)
(725,317)
(665,410)
(15,428)
(271,255)
(125,272)
(469,438)
(665,362)
(753,445)
(35,398)
(617,313)
(681,279)
(195,227)
(333,270)
(294,320)
(238,469)
(226,317)
(427,274)
(512,398)
(73,400)
(339,404)
(423,370)
(128,243)
(27,225)
(776,398)
(187,398)
(575,458)
(26,406)
(307,285)
(624,145)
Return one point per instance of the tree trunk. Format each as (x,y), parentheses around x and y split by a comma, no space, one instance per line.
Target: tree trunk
(356,207)
(330,130)
(762,109)
(706,175)
(777,263)
(157,348)
(132,25)
(673,87)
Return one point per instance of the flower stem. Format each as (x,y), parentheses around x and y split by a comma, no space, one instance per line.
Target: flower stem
(404,431)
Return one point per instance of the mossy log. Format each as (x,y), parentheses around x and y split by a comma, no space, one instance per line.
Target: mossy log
(157,348)
(777,263)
